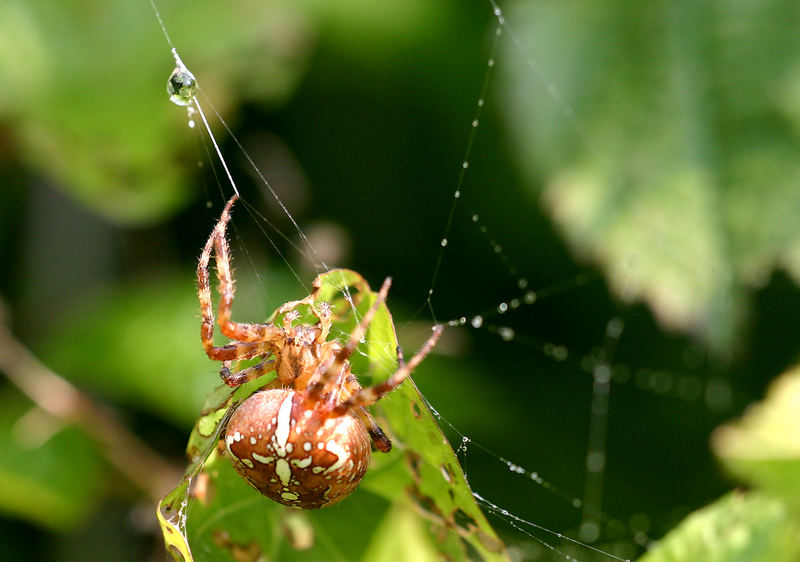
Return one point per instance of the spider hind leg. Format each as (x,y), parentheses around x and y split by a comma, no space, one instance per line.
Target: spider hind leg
(379,438)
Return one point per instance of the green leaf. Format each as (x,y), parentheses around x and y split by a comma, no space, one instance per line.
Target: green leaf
(90,100)
(763,447)
(737,528)
(663,148)
(50,474)
(418,487)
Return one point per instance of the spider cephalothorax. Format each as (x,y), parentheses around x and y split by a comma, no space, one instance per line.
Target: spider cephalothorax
(304,439)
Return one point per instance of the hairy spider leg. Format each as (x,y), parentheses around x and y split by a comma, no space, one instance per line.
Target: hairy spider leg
(253,339)
(379,438)
(330,371)
(235,330)
(236,378)
(372,394)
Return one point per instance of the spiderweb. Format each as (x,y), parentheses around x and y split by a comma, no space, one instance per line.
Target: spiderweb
(567,473)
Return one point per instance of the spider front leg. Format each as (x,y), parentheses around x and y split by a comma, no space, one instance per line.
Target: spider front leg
(252,338)
(328,371)
(237,378)
(372,394)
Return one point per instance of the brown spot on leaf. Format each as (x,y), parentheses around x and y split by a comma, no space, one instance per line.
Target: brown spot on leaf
(250,552)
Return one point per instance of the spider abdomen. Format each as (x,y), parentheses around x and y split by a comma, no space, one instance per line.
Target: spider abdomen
(296,455)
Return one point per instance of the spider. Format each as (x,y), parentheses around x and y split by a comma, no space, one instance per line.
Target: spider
(304,439)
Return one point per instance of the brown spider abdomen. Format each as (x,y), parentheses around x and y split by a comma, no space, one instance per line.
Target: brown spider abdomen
(296,455)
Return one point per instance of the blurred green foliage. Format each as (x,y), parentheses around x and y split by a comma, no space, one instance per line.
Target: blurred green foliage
(679,174)
(656,141)
(763,524)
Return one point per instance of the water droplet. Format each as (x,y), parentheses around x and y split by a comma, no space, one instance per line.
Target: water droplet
(615,327)
(191,123)
(475,123)
(514,303)
(477,321)
(530,297)
(522,283)
(498,11)
(430,292)
(480,102)
(457,194)
(595,461)
(181,86)
(465,164)
(589,532)
(506,333)
(502,307)
(490,63)
(602,374)
(475,218)
(443,242)
(497,248)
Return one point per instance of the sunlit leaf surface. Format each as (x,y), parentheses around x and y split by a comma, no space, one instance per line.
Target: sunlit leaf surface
(763,447)
(737,528)
(414,503)
(663,141)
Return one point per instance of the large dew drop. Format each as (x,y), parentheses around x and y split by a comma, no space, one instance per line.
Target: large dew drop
(181,86)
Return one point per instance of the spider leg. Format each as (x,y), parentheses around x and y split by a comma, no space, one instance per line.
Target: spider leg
(245,333)
(382,442)
(236,378)
(237,350)
(345,380)
(330,371)
(379,438)
(372,394)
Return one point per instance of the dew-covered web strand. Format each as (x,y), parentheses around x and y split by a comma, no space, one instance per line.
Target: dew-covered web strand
(321,264)
(551,87)
(594,475)
(464,166)
(519,523)
(195,106)
(591,505)
(259,223)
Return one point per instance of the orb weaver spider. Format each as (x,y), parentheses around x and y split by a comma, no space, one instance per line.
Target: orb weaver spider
(304,439)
